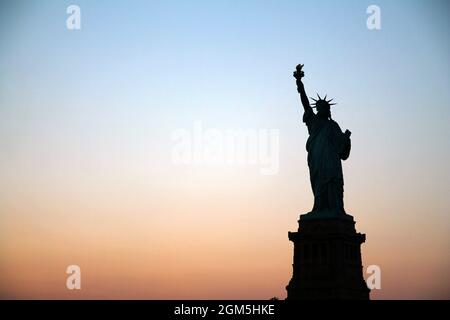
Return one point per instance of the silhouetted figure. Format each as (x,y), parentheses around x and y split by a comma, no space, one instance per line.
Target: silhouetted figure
(327,145)
(327,247)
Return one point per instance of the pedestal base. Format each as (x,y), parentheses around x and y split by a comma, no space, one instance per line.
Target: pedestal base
(327,260)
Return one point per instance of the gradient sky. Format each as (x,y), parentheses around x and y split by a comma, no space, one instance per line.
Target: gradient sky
(86,174)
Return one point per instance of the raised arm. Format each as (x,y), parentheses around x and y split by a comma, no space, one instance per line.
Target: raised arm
(299,74)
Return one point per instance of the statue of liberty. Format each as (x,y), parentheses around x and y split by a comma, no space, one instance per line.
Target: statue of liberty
(327,145)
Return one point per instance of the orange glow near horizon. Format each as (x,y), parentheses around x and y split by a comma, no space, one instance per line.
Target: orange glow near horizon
(139,245)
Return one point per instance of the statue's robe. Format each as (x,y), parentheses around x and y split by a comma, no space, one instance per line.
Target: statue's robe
(327,145)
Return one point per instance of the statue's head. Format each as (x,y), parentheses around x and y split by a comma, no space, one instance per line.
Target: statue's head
(323,107)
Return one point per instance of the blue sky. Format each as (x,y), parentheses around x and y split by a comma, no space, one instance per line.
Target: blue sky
(157,66)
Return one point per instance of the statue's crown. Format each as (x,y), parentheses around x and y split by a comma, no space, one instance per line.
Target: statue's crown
(320,101)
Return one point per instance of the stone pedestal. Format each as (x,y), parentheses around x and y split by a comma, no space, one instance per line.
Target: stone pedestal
(327,260)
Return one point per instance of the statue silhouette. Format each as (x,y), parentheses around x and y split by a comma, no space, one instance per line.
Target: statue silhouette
(327,247)
(327,145)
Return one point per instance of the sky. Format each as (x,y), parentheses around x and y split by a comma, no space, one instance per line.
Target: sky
(87,124)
